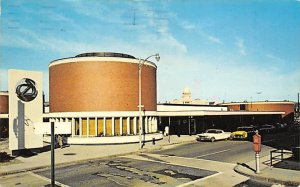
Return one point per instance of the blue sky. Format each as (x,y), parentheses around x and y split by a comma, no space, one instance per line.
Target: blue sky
(222,50)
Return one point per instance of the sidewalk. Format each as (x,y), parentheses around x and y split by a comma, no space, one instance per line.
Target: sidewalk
(269,173)
(77,153)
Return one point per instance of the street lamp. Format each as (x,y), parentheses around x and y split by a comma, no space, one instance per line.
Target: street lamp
(141,63)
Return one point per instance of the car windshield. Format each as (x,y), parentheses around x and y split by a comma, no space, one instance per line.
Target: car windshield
(212,131)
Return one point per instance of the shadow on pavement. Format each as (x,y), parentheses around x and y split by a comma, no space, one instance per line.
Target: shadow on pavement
(289,163)
(246,166)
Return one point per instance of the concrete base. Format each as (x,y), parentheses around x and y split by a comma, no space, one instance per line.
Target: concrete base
(109,140)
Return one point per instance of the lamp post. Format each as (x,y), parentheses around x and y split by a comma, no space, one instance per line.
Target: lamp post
(141,63)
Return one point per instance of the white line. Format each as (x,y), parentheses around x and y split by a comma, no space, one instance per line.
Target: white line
(212,153)
(46,179)
(195,181)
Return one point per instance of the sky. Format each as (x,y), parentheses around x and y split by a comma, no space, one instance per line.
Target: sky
(223,50)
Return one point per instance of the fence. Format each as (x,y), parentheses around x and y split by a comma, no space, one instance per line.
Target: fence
(277,155)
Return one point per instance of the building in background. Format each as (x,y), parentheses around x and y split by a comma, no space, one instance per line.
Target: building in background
(186,98)
(287,107)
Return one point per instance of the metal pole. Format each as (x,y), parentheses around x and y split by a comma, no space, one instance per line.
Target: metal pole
(169,129)
(52,155)
(298,103)
(141,62)
(140,103)
(189,125)
(257,162)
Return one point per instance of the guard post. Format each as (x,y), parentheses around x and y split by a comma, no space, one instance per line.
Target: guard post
(257,149)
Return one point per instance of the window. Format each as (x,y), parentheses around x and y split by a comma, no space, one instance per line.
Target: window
(242,107)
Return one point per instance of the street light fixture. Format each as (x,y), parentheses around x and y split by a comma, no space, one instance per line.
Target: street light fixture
(141,63)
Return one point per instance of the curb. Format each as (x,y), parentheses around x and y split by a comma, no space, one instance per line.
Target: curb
(159,147)
(265,179)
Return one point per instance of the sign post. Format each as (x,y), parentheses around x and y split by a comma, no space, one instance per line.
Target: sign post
(52,155)
(52,128)
(257,149)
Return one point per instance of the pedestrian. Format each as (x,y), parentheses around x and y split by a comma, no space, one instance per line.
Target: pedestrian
(178,130)
(166,133)
(60,141)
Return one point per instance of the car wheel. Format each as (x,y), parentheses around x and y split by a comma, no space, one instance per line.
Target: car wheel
(212,139)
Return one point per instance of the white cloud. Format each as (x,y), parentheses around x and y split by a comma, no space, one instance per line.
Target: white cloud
(192,27)
(241,46)
(214,39)
(273,57)
(187,26)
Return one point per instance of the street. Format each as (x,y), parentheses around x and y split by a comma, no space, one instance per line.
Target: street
(194,163)
(222,151)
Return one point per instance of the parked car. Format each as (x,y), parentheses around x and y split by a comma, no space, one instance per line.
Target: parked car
(280,127)
(242,133)
(266,129)
(213,134)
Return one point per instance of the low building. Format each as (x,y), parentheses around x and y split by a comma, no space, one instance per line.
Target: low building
(265,106)
(193,119)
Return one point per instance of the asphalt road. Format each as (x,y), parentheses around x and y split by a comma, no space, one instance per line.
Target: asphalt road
(223,151)
(130,171)
(122,171)
(125,172)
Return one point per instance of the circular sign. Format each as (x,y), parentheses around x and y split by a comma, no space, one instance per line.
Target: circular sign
(26,90)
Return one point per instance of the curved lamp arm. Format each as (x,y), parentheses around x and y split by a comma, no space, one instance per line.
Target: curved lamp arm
(157,58)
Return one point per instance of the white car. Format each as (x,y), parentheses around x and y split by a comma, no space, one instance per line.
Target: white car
(213,134)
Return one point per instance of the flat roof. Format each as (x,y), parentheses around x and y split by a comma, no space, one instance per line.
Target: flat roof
(175,104)
(162,114)
(257,102)
(215,113)
(3,92)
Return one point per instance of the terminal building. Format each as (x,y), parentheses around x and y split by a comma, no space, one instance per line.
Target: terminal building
(99,94)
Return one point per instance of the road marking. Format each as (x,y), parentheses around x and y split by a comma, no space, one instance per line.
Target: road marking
(212,153)
(169,162)
(198,180)
(46,179)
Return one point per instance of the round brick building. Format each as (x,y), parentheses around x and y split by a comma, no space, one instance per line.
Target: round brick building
(100,82)
(99,94)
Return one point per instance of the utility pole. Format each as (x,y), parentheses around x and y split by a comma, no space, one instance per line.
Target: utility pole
(298,104)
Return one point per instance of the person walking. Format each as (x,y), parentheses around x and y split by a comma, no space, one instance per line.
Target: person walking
(60,141)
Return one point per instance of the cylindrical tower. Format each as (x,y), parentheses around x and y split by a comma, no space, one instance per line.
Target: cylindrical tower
(93,82)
